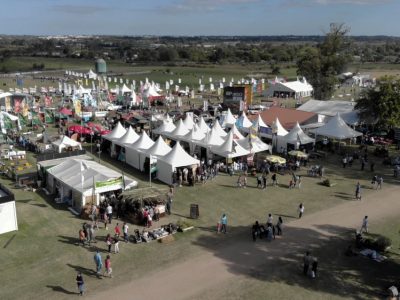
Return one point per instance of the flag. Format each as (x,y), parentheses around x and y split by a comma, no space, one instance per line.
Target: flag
(254,129)
(48,116)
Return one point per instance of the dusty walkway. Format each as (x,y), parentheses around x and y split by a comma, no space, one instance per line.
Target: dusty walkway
(207,271)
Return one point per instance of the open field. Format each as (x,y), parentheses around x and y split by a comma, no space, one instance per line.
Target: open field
(42,257)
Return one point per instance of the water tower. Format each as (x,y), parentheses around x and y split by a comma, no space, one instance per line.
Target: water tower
(101,66)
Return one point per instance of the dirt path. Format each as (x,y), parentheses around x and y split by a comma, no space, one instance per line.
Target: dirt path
(187,279)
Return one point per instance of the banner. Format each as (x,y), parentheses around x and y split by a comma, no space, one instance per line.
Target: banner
(48,116)
(110,182)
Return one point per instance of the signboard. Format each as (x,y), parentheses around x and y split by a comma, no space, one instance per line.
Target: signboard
(110,182)
(194,211)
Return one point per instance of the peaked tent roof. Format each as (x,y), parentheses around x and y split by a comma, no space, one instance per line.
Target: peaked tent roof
(230,148)
(336,128)
(178,132)
(229,119)
(261,123)
(128,138)
(278,128)
(218,129)
(211,139)
(203,125)
(188,122)
(253,145)
(159,148)
(125,89)
(178,157)
(166,126)
(144,142)
(194,135)
(236,133)
(297,134)
(243,121)
(64,142)
(116,133)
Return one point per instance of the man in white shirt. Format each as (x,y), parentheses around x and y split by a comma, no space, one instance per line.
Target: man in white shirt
(364,226)
(125,231)
(109,212)
(269,220)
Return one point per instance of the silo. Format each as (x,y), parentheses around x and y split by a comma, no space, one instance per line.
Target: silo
(101,66)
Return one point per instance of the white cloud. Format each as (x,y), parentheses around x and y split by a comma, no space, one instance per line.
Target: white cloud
(180,6)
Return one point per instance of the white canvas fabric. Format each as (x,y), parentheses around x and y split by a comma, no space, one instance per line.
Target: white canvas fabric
(65,142)
(297,135)
(278,128)
(203,126)
(230,148)
(178,132)
(128,138)
(229,119)
(166,127)
(336,128)
(116,133)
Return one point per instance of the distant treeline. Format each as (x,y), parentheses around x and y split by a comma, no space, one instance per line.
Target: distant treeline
(200,49)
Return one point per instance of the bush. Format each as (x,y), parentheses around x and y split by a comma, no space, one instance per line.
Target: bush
(328,183)
(382,243)
(184,223)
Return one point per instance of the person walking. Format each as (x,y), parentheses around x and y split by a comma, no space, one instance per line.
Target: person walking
(109,211)
(306,262)
(125,231)
(109,242)
(264,179)
(364,226)
(169,203)
(117,231)
(116,245)
(314,267)
(269,220)
(259,182)
(105,220)
(379,182)
(82,237)
(98,262)
(358,191)
(279,225)
(301,210)
(224,223)
(80,283)
(274,179)
(93,213)
(107,264)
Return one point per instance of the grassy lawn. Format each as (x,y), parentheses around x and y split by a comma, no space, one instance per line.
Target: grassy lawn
(40,260)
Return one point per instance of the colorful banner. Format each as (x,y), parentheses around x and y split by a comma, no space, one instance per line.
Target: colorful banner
(110,182)
(48,116)
(17,105)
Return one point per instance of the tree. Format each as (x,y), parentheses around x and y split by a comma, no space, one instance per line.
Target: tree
(381,104)
(321,64)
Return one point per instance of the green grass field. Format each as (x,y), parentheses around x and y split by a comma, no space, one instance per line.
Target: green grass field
(41,259)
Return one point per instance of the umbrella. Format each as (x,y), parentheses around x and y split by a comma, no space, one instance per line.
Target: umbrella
(299,154)
(80,129)
(276,159)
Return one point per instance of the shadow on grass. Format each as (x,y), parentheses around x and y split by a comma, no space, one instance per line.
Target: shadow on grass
(39,204)
(60,289)
(286,216)
(83,270)
(280,261)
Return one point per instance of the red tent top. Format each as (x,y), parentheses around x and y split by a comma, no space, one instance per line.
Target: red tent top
(80,129)
(65,111)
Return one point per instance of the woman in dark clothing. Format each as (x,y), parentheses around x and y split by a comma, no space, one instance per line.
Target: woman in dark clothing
(80,283)
(279,225)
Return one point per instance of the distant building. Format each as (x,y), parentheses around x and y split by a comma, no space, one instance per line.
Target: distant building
(292,89)
(238,97)
(101,66)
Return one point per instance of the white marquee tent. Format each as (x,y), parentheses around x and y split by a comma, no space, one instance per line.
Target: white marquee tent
(243,122)
(188,122)
(65,142)
(230,148)
(116,133)
(203,126)
(132,152)
(336,128)
(129,137)
(166,127)
(178,132)
(296,137)
(176,158)
(218,129)
(229,119)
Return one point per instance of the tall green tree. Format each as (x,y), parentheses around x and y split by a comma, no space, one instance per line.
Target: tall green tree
(381,104)
(321,64)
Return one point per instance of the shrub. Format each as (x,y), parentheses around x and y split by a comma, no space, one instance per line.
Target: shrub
(382,243)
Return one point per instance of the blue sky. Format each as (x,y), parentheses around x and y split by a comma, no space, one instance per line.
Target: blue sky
(198,17)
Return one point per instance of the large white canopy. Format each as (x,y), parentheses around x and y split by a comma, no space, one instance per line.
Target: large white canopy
(194,135)
(159,148)
(65,142)
(297,135)
(230,148)
(166,127)
(91,74)
(80,175)
(116,133)
(253,145)
(134,152)
(128,138)
(143,142)
(336,128)
(236,133)
(211,139)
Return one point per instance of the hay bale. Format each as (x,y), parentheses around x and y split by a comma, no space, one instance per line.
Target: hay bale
(167,239)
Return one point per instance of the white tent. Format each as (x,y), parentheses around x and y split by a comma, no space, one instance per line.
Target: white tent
(91,74)
(132,152)
(159,148)
(230,148)
(218,129)
(236,133)
(178,132)
(150,92)
(8,215)
(194,135)
(82,179)
(229,119)
(65,142)
(166,127)
(260,122)
(253,145)
(188,122)
(297,137)
(295,89)
(211,139)
(176,158)
(129,137)
(243,121)
(116,133)
(278,129)
(203,125)
(125,89)
(133,98)
(336,128)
